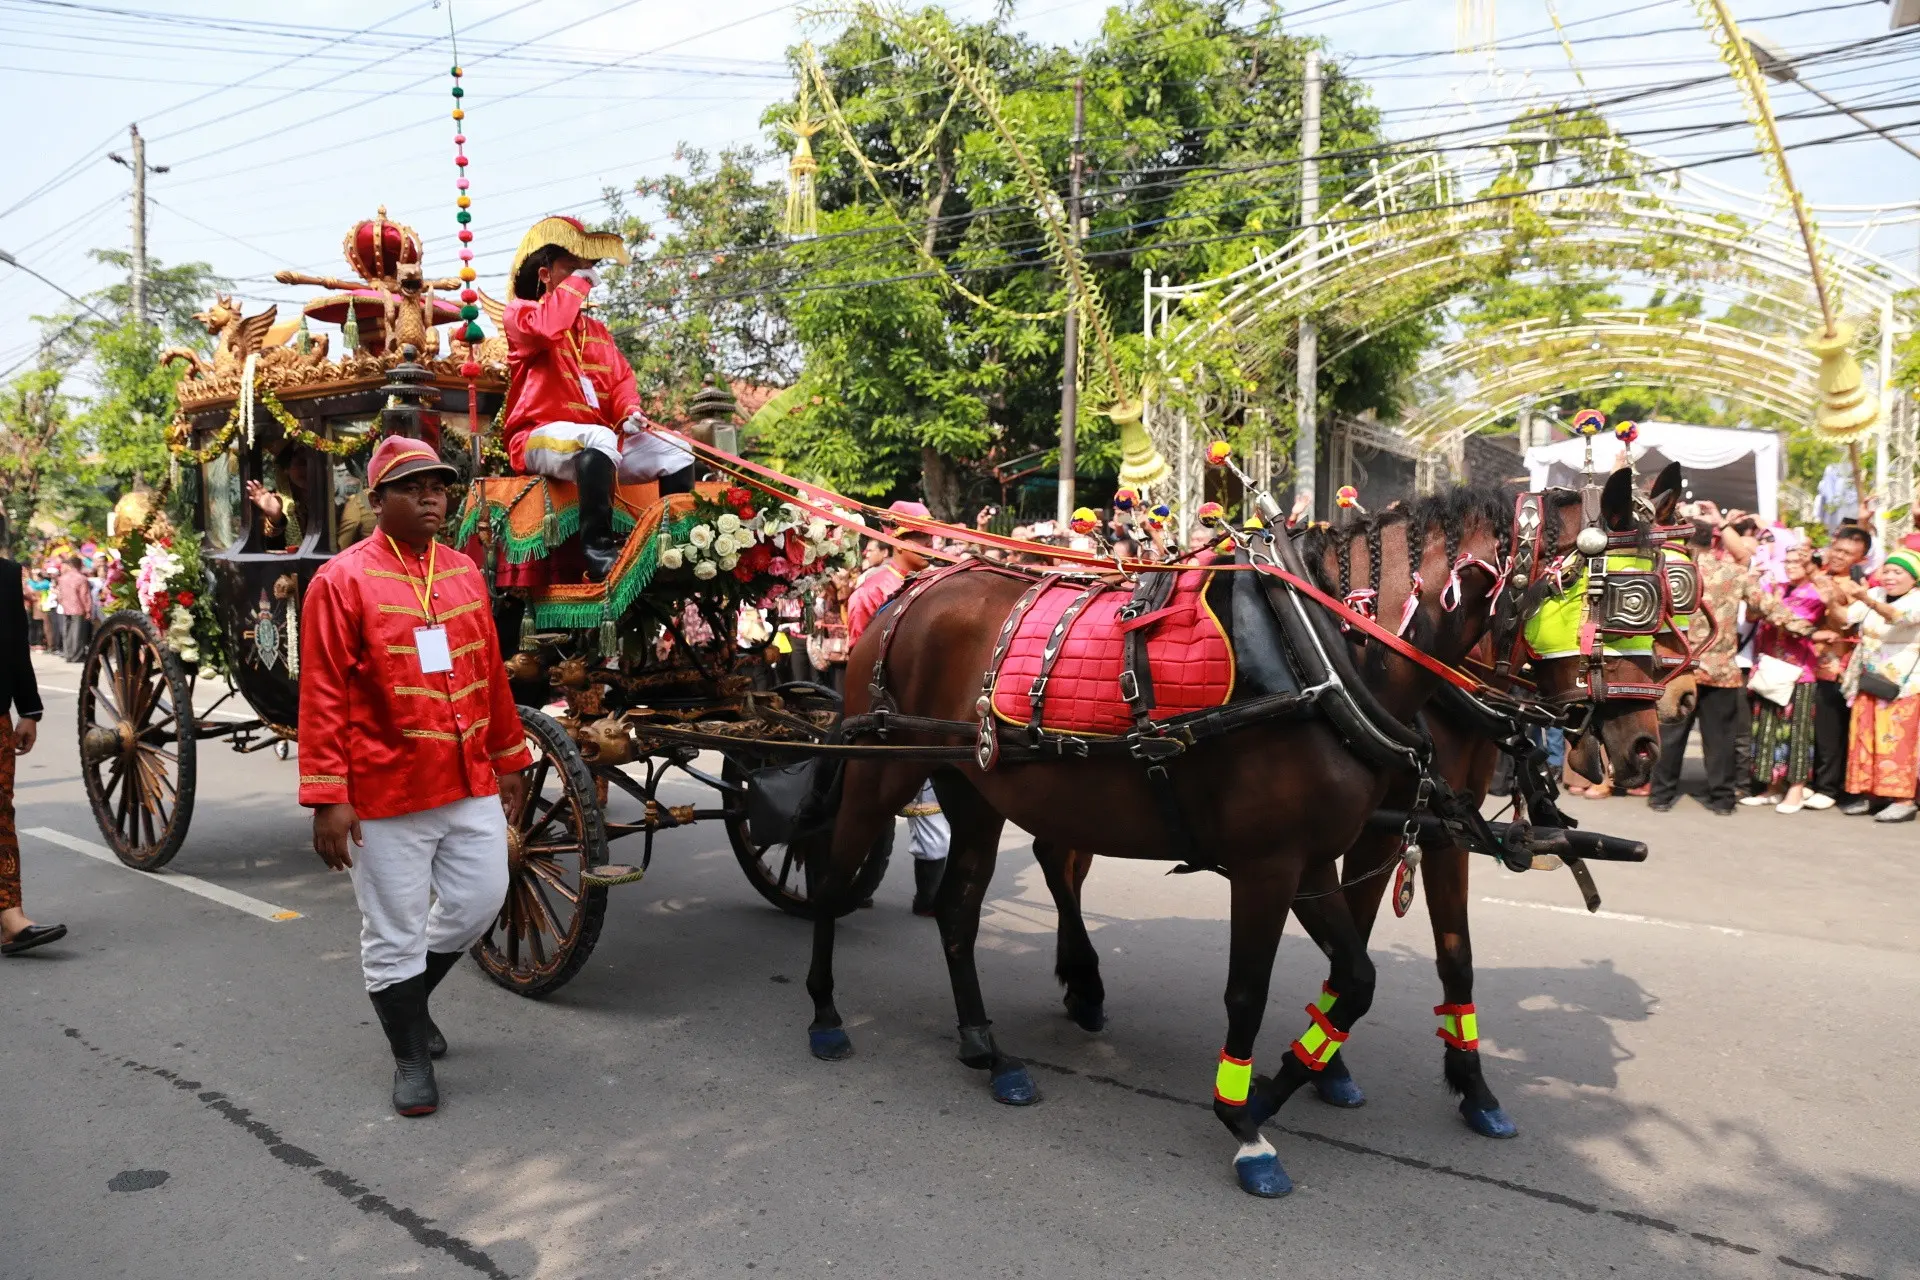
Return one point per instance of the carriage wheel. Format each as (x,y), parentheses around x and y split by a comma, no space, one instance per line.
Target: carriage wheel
(778,872)
(137,736)
(551,918)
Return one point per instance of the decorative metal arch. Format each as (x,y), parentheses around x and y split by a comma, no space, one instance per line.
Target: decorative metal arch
(1470,384)
(1422,229)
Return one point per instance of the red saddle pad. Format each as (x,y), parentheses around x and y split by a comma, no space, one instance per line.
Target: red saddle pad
(1187,651)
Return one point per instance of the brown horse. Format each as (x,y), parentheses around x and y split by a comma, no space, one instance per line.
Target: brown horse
(1467,759)
(1271,804)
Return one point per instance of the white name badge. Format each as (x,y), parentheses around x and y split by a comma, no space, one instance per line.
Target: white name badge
(586,389)
(431,642)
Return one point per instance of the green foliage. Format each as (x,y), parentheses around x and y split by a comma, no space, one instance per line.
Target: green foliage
(906,383)
(91,418)
(706,298)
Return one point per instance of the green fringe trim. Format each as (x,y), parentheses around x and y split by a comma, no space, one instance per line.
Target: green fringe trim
(580,615)
(561,524)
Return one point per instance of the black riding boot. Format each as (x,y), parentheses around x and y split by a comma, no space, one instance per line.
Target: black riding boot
(403,1016)
(680,481)
(926,882)
(594,473)
(439,964)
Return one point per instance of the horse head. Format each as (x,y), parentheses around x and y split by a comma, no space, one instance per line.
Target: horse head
(1605,624)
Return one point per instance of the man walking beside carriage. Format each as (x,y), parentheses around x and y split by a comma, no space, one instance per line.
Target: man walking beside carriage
(408,735)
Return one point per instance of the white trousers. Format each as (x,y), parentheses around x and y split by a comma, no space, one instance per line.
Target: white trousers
(640,455)
(427,881)
(927,827)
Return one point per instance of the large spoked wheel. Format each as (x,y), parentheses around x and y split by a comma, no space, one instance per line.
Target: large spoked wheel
(547,926)
(137,737)
(778,872)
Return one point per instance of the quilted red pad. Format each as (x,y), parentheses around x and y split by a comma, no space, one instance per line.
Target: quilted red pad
(1187,651)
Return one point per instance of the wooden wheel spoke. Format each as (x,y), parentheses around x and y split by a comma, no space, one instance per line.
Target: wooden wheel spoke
(553,877)
(537,891)
(535,829)
(786,867)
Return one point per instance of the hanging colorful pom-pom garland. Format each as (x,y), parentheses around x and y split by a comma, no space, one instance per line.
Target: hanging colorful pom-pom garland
(469,296)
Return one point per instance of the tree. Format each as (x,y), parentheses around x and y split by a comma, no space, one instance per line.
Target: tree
(923,321)
(75,449)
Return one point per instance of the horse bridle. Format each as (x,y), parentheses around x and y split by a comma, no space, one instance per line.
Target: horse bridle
(1624,601)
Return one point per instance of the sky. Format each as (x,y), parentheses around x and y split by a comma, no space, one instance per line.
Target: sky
(281,128)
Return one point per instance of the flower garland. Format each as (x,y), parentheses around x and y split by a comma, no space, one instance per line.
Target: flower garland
(169,586)
(343,448)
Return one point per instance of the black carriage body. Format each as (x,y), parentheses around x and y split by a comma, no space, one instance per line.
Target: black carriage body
(259,574)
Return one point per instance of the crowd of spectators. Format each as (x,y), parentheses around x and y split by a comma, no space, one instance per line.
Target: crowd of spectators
(67,590)
(1808,694)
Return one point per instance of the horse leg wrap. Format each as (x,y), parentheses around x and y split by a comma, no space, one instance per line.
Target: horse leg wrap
(1319,1042)
(1459,1026)
(1231,1079)
(977,1049)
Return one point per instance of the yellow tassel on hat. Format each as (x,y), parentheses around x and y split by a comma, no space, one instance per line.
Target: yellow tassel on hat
(1847,409)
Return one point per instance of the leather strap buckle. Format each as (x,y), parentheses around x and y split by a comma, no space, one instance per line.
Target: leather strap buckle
(1154,747)
(1129,685)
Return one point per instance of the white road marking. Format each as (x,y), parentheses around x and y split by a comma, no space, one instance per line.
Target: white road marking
(192,884)
(1623,916)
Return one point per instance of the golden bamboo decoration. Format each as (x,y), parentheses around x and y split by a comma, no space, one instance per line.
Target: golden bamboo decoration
(1847,409)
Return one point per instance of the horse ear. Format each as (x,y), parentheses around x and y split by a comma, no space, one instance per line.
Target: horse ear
(1616,501)
(1665,493)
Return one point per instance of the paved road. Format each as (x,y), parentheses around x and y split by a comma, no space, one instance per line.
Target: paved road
(1713,1079)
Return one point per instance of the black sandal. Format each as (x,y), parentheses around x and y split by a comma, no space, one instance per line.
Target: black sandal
(34,935)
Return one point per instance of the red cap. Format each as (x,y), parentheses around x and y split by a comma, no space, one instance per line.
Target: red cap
(398,457)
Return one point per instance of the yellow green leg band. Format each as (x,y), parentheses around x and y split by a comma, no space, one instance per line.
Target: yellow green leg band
(1232,1079)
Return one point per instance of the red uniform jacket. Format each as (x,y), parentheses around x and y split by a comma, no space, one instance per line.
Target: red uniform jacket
(880,585)
(377,733)
(551,344)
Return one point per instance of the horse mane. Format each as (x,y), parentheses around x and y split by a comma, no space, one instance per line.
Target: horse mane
(1454,511)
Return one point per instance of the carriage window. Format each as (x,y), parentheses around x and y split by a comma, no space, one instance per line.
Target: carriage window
(226,509)
(352,515)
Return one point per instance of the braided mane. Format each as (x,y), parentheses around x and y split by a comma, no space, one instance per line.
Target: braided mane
(1453,511)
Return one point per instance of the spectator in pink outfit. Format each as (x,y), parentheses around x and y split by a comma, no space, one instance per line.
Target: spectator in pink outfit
(1783,735)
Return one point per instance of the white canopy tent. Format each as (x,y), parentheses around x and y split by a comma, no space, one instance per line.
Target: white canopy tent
(1728,465)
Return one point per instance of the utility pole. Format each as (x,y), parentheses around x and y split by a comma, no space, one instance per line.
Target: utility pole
(1306,426)
(1070,338)
(140,171)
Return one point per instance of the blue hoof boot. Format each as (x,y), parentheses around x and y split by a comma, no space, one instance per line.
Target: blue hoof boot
(1262,1176)
(1015,1088)
(829,1044)
(1339,1091)
(1489,1122)
(1088,1015)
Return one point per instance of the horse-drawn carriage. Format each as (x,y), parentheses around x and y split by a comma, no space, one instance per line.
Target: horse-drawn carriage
(270,452)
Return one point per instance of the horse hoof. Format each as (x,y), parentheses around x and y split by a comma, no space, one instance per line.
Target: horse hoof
(1015,1088)
(829,1044)
(1262,1176)
(1489,1122)
(1089,1015)
(1339,1091)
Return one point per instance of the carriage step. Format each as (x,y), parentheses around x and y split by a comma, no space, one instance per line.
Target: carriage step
(611,874)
